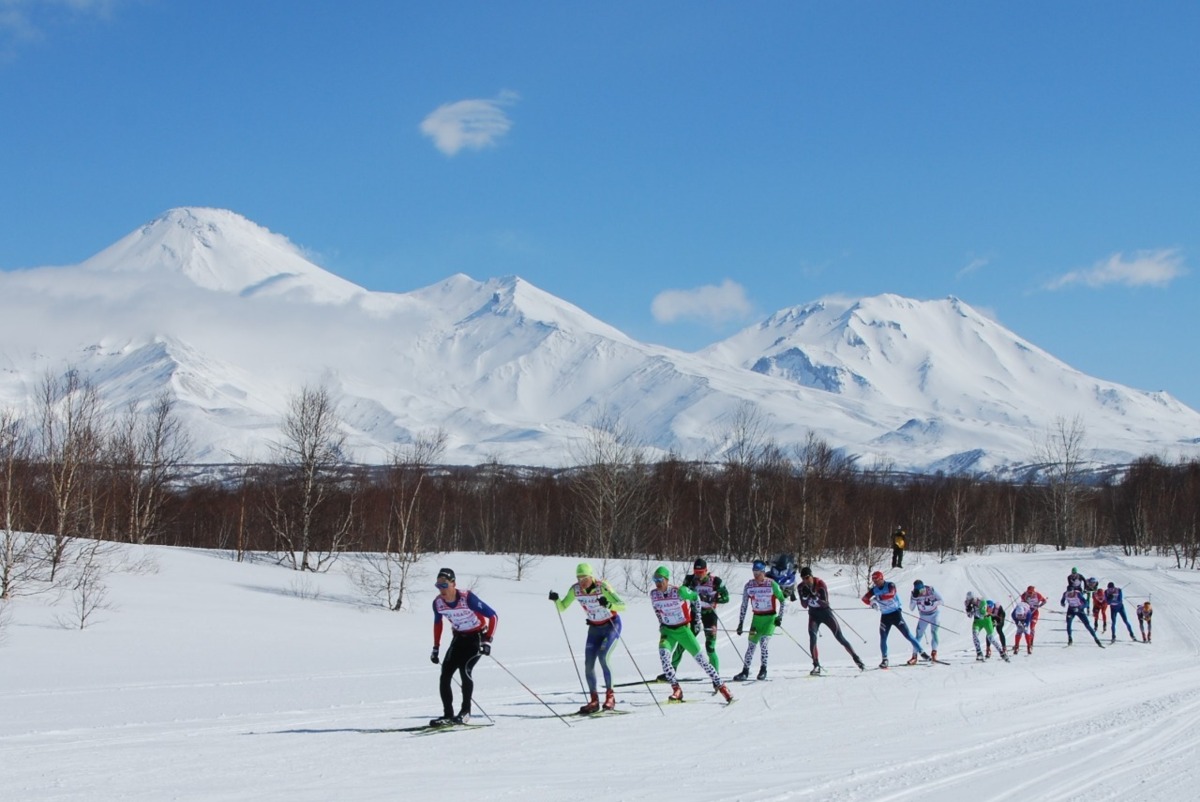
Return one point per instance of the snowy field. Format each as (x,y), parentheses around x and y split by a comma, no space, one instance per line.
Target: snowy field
(207,679)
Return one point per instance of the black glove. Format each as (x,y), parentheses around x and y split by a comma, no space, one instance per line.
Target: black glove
(433,656)
(553,596)
(778,620)
(739,629)
(695,626)
(602,601)
(485,647)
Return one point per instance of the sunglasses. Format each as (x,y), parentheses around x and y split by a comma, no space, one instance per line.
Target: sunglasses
(658,579)
(441,585)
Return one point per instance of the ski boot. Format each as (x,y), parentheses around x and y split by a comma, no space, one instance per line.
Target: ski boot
(661,678)
(463,717)
(979,657)
(592,706)
(742,675)
(1132,638)
(610,700)
(925,657)
(884,663)
(816,672)
(725,693)
(933,655)
(858,662)
(1004,657)
(762,672)
(442,721)
(988,654)
(676,693)
(1070,640)
(912,661)
(1098,643)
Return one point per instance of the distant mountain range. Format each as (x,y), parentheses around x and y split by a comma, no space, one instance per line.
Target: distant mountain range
(232,320)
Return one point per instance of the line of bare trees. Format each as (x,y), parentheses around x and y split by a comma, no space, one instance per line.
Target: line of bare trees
(75,472)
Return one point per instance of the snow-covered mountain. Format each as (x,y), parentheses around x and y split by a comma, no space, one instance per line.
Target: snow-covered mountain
(233,319)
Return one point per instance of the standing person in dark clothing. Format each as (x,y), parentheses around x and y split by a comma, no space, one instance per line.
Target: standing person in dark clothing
(814,597)
(473,624)
(1115,598)
(899,544)
(998,615)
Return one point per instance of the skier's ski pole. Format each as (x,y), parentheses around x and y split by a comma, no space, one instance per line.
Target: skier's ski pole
(643,676)
(793,640)
(939,625)
(531,693)
(732,642)
(475,703)
(842,621)
(569,649)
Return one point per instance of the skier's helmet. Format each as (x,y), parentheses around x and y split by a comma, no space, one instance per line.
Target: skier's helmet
(1111,585)
(1030,589)
(759,566)
(918,586)
(877,576)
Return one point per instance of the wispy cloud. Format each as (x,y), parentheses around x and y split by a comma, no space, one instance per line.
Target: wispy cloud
(713,303)
(1156,268)
(472,124)
(976,264)
(29,20)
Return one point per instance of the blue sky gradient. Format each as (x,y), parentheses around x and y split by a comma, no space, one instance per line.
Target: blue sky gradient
(677,169)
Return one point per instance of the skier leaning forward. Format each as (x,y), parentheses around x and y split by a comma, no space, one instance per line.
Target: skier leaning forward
(1076,602)
(473,623)
(927,602)
(600,604)
(765,598)
(672,605)
(884,597)
(814,597)
(980,610)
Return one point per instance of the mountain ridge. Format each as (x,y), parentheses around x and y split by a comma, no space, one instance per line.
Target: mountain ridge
(230,318)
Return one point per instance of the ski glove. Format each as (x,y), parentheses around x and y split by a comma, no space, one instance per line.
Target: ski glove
(485,647)
(778,620)
(433,656)
(739,627)
(553,596)
(602,601)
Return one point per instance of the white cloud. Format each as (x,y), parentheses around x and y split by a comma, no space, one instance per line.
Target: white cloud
(716,304)
(473,124)
(976,264)
(1144,268)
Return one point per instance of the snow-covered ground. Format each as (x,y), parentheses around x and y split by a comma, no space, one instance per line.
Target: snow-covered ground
(213,680)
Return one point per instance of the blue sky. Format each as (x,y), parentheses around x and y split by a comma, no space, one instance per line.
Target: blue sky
(677,169)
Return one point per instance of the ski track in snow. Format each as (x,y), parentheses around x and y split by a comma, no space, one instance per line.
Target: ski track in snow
(82,721)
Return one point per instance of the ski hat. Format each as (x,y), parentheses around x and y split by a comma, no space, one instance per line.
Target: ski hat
(877,576)
(1030,589)
(971,595)
(700,563)
(448,573)
(662,571)
(1074,570)
(1111,585)
(583,569)
(918,586)
(805,571)
(759,565)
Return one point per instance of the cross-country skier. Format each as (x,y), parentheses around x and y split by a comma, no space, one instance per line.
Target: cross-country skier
(712,592)
(601,605)
(671,605)
(1035,601)
(1075,600)
(981,619)
(1022,618)
(927,602)
(997,613)
(1144,612)
(1099,610)
(766,601)
(473,624)
(884,597)
(814,597)
(783,571)
(1114,597)
(1075,579)
(1090,586)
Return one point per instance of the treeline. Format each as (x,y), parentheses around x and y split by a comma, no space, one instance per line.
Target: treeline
(70,472)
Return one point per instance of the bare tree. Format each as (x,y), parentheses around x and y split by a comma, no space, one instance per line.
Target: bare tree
(71,441)
(90,567)
(310,501)
(611,488)
(387,574)
(1061,451)
(19,563)
(147,449)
